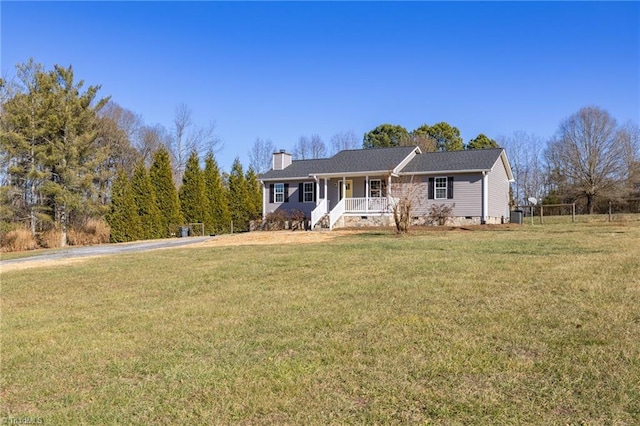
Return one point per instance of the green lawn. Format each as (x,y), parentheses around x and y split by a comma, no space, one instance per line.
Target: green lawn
(519,325)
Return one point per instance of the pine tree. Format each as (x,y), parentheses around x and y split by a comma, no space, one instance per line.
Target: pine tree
(255,195)
(123,217)
(239,202)
(194,203)
(145,198)
(49,134)
(219,215)
(166,194)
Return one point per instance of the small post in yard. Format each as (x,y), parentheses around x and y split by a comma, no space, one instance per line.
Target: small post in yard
(232,226)
(609,210)
(573,212)
(541,214)
(533,201)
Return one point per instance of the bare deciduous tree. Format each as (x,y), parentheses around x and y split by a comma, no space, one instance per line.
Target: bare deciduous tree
(317,147)
(309,148)
(301,150)
(345,140)
(406,193)
(188,138)
(525,152)
(149,139)
(630,138)
(261,154)
(589,153)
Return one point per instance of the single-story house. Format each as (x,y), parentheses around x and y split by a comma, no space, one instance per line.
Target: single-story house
(359,187)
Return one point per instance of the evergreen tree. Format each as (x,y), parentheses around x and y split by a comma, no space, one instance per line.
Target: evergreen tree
(123,217)
(165,191)
(193,200)
(255,195)
(49,133)
(482,141)
(145,199)
(239,202)
(219,215)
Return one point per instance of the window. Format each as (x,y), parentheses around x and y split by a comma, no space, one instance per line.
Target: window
(441,188)
(279,192)
(375,188)
(308,192)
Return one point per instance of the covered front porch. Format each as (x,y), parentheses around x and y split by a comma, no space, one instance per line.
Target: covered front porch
(356,195)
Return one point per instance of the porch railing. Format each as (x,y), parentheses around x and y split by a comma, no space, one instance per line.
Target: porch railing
(366,205)
(318,212)
(336,212)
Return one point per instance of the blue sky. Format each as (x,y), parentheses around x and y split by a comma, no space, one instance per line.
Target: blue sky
(280,70)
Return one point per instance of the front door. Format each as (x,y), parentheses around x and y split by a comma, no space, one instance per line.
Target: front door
(348,188)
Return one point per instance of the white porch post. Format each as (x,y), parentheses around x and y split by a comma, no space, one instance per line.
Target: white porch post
(388,190)
(485,198)
(326,195)
(264,200)
(318,191)
(366,194)
(344,187)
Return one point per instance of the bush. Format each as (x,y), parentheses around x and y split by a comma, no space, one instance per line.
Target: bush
(275,221)
(93,231)
(20,239)
(296,219)
(440,213)
(279,220)
(50,238)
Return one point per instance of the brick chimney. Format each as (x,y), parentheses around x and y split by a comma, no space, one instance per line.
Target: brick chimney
(281,160)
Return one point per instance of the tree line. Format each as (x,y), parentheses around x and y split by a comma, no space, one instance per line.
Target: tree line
(68,156)
(591,160)
(147,205)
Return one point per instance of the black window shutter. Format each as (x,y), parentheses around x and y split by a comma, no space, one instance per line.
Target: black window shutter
(383,187)
(314,192)
(450,187)
(286,192)
(300,192)
(432,183)
(271,193)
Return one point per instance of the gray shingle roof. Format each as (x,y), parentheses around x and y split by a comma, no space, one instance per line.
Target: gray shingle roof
(478,159)
(386,159)
(348,161)
(299,169)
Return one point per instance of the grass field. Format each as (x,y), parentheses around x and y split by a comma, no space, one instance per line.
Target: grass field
(515,325)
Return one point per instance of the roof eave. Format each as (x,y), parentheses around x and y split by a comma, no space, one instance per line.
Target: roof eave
(352,174)
(439,172)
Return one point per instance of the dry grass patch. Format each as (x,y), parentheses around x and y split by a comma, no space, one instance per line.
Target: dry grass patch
(17,240)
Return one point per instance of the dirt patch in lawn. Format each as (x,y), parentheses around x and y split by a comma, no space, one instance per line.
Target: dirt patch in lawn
(273,237)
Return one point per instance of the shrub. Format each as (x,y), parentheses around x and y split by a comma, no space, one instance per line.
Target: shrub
(296,219)
(20,239)
(93,231)
(440,213)
(279,219)
(275,221)
(50,238)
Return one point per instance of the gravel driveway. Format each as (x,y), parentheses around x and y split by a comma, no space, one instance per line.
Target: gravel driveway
(100,250)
